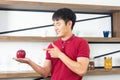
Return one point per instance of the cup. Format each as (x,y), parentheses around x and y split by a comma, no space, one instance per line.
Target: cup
(91,65)
(76,32)
(106,33)
(108,63)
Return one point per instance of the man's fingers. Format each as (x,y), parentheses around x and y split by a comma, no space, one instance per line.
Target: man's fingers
(47,49)
(54,45)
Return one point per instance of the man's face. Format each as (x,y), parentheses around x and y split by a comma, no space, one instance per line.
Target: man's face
(60,27)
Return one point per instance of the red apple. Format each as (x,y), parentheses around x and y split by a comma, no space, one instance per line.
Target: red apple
(21,53)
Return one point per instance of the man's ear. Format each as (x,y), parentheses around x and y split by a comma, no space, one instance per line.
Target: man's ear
(70,23)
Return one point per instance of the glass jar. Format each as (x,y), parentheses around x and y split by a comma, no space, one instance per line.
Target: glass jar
(91,65)
(107,63)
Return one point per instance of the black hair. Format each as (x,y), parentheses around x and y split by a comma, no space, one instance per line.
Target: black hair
(65,14)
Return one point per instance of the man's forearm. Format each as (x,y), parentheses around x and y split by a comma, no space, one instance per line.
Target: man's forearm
(41,70)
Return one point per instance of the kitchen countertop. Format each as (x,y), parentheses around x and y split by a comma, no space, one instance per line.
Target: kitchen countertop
(33,74)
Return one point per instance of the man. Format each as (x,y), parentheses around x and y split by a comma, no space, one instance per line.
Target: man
(66,58)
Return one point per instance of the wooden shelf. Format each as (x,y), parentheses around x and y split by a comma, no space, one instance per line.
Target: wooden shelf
(49,6)
(27,38)
(20,74)
(102,40)
(49,39)
(25,5)
(32,74)
(103,72)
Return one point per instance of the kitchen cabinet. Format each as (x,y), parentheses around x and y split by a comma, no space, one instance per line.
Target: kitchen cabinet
(45,6)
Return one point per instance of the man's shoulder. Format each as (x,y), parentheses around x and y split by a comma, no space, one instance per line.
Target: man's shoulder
(80,39)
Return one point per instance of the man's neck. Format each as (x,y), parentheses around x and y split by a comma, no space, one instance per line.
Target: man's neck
(64,38)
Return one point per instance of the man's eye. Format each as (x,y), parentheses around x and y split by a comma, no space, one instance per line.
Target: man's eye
(58,24)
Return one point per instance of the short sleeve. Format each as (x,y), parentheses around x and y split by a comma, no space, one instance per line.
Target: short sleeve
(83,50)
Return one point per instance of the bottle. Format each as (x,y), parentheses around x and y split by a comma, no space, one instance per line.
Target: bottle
(110,63)
(91,65)
(107,63)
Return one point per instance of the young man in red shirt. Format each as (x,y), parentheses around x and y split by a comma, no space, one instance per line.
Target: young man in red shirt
(66,58)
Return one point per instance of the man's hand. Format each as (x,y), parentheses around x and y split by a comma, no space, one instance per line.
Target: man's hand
(22,60)
(54,52)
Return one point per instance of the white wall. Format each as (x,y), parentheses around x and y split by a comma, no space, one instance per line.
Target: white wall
(34,51)
(95,2)
(14,20)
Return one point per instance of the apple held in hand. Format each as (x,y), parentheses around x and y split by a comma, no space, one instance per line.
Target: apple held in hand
(21,53)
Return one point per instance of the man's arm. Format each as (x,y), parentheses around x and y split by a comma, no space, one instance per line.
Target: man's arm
(79,67)
(43,71)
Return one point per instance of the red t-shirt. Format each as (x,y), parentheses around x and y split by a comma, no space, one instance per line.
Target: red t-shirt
(74,47)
